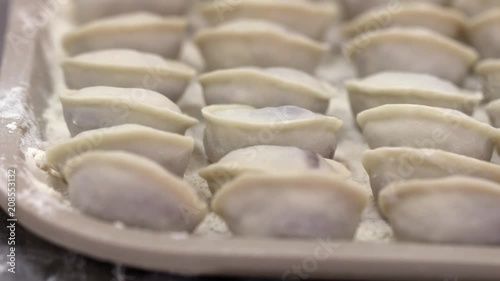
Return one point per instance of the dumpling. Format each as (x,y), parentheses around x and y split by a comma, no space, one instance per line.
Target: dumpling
(102,107)
(448,22)
(354,8)
(404,125)
(268,87)
(118,186)
(192,102)
(139,31)
(474,7)
(483,33)
(267,159)
(493,111)
(170,150)
(191,55)
(315,18)
(455,210)
(411,50)
(87,10)
(128,69)
(298,205)
(231,127)
(489,74)
(395,164)
(408,88)
(241,42)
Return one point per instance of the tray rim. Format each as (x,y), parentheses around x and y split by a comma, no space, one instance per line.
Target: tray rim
(203,256)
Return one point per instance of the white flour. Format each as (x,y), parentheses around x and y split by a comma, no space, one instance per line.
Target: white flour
(12,109)
(12,106)
(11,126)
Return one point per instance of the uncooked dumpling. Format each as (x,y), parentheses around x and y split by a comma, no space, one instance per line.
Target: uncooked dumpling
(103,107)
(128,69)
(315,18)
(474,7)
(296,205)
(118,186)
(489,73)
(170,150)
(267,159)
(242,45)
(393,164)
(408,88)
(483,33)
(87,10)
(448,22)
(411,50)
(354,8)
(268,87)
(142,32)
(231,127)
(455,210)
(404,125)
(493,111)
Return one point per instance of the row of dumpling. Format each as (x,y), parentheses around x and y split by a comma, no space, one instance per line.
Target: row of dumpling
(276,22)
(429,163)
(249,24)
(266,135)
(270,145)
(237,29)
(315,17)
(415,47)
(429,166)
(265,33)
(423,37)
(355,8)
(128,153)
(87,10)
